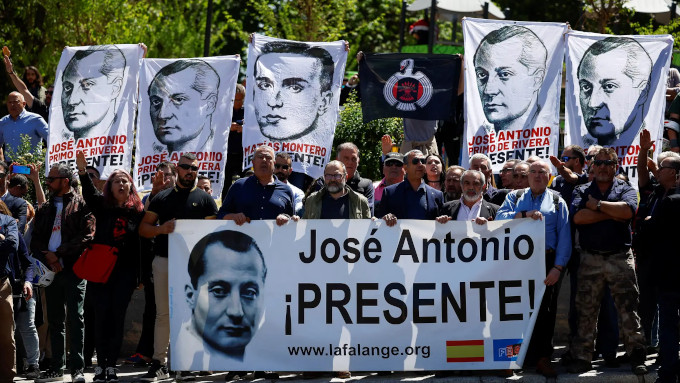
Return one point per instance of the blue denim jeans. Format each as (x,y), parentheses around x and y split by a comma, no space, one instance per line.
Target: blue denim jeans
(25,327)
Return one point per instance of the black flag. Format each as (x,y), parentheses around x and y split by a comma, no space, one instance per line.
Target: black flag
(417,86)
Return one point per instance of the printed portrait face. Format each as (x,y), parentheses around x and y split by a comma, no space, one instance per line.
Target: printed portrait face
(90,87)
(510,65)
(288,95)
(227,302)
(611,97)
(179,112)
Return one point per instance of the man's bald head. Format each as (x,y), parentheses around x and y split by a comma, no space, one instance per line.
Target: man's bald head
(15,104)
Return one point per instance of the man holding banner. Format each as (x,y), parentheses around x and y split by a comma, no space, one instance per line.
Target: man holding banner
(537,202)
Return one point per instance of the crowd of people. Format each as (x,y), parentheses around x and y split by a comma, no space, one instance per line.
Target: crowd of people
(614,245)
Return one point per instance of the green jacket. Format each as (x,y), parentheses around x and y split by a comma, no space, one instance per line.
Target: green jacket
(358,205)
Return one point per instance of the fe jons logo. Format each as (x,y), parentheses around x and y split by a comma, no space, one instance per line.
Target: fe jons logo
(407,89)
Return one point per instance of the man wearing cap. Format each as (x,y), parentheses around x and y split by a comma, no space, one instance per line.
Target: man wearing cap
(393,169)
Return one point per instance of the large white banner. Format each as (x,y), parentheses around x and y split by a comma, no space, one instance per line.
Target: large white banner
(93,106)
(616,86)
(354,294)
(513,77)
(293,99)
(185,106)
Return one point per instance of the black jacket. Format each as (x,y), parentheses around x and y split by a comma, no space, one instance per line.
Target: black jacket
(487,210)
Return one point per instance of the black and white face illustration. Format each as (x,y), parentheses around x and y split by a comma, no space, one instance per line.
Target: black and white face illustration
(614,76)
(91,84)
(183,98)
(510,65)
(292,91)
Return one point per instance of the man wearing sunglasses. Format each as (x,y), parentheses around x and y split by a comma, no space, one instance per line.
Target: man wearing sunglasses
(603,211)
(184,201)
(283,167)
(412,198)
(63,227)
(570,166)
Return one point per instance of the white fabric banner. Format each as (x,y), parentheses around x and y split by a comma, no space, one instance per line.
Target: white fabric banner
(354,294)
(512,89)
(616,86)
(93,106)
(185,106)
(293,100)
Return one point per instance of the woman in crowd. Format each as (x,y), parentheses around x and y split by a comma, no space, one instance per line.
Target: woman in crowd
(434,174)
(118,212)
(34,83)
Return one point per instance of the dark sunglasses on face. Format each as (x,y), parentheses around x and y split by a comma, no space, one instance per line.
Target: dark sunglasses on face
(590,157)
(49,92)
(279,166)
(421,160)
(393,163)
(187,167)
(604,162)
(567,158)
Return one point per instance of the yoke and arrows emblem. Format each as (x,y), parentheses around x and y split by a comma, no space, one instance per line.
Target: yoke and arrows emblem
(406,88)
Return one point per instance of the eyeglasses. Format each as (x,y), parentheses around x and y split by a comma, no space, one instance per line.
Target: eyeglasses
(590,157)
(506,170)
(279,166)
(604,162)
(567,158)
(187,167)
(421,160)
(335,177)
(49,92)
(660,167)
(393,163)
(520,175)
(52,179)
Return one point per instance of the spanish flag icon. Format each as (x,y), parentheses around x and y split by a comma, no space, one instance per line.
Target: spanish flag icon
(464,351)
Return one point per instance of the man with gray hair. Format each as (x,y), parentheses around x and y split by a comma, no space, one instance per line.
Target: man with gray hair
(452,185)
(336,200)
(91,84)
(63,227)
(181,114)
(412,198)
(539,203)
(482,163)
(614,84)
(471,206)
(510,65)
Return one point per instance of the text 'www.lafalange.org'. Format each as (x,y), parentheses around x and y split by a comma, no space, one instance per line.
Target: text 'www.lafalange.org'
(359,350)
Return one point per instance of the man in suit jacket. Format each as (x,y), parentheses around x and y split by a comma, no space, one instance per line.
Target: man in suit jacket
(471,206)
(412,198)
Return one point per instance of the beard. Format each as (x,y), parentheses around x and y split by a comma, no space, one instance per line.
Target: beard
(335,187)
(283,177)
(186,183)
(473,198)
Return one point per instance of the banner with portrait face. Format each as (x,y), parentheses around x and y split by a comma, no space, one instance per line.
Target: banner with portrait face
(93,106)
(513,77)
(292,100)
(185,106)
(338,295)
(616,86)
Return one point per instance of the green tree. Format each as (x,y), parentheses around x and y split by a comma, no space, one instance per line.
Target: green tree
(366,136)
(26,154)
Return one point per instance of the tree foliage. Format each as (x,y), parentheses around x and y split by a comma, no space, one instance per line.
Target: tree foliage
(366,136)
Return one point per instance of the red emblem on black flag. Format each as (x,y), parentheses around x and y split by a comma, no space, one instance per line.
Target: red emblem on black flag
(407,89)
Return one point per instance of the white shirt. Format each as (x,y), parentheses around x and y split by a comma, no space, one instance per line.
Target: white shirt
(299,195)
(468,214)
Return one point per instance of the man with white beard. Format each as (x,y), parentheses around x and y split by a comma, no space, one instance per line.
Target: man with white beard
(471,206)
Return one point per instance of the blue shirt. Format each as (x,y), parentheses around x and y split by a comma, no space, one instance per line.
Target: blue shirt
(416,202)
(250,197)
(557,231)
(565,188)
(27,123)
(607,235)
